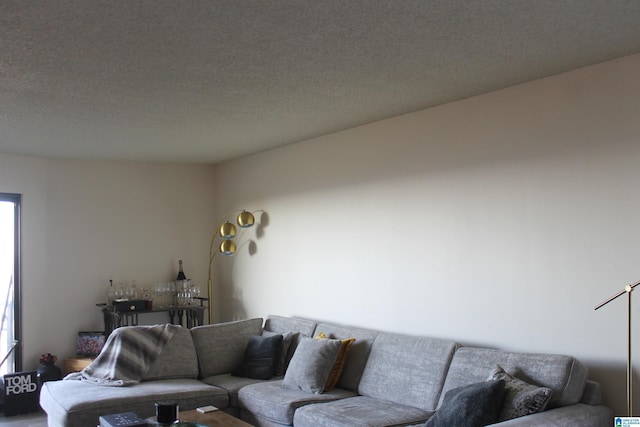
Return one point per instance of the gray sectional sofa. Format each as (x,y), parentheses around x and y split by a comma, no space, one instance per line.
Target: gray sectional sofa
(388,379)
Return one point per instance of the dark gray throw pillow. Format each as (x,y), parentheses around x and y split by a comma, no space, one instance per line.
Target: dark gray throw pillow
(287,339)
(261,357)
(474,405)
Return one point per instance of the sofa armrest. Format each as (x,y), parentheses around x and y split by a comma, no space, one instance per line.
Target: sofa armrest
(592,393)
(578,415)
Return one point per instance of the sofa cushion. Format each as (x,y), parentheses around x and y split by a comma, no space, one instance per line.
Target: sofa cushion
(521,398)
(220,346)
(80,403)
(565,375)
(407,370)
(358,352)
(271,401)
(282,362)
(311,364)
(473,405)
(260,357)
(359,411)
(231,384)
(177,359)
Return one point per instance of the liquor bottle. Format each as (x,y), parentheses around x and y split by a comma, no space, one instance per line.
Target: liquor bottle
(181,275)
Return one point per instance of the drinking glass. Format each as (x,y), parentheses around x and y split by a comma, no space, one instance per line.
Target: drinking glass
(157,295)
(195,294)
(120,291)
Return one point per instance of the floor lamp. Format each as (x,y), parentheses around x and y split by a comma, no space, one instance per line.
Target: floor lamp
(226,232)
(627,290)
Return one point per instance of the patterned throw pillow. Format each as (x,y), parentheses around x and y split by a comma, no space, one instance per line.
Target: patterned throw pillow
(521,398)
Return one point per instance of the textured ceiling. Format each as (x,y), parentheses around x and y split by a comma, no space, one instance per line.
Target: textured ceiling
(207,81)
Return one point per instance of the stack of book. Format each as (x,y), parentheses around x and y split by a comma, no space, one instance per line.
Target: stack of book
(124,419)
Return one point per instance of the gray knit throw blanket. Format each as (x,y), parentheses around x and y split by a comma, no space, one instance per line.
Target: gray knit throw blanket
(127,355)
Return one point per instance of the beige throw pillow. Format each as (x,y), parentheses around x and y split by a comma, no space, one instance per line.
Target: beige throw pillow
(341,360)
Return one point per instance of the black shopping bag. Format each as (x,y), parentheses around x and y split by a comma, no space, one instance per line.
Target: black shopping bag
(21,393)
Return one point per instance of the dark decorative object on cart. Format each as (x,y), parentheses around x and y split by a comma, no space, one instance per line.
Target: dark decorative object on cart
(48,371)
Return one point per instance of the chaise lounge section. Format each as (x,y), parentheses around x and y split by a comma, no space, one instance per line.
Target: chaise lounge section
(387,379)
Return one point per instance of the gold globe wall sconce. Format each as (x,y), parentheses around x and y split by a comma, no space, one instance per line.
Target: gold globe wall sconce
(225,233)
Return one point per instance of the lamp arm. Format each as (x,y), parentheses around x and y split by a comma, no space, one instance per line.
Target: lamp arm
(626,289)
(212,253)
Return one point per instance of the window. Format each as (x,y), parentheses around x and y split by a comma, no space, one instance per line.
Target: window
(10,330)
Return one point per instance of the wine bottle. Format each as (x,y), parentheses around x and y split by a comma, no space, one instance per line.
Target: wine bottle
(181,275)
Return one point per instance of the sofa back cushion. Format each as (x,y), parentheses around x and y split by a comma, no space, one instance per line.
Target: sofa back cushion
(565,375)
(281,324)
(177,359)
(220,347)
(407,370)
(358,352)
(293,329)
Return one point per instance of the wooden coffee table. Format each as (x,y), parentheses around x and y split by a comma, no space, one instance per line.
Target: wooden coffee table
(212,419)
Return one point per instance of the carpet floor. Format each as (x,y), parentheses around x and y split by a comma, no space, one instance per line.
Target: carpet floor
(28,420)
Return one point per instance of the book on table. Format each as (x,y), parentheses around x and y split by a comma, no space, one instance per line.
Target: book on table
(124,419)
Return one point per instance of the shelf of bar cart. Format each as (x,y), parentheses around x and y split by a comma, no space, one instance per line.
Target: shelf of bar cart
(127,314)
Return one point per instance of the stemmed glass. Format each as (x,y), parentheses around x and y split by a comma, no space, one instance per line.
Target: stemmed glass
(157,293)
(195,293)
(120,291)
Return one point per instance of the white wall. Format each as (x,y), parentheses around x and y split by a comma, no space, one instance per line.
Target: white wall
(86,222)
(500,221)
